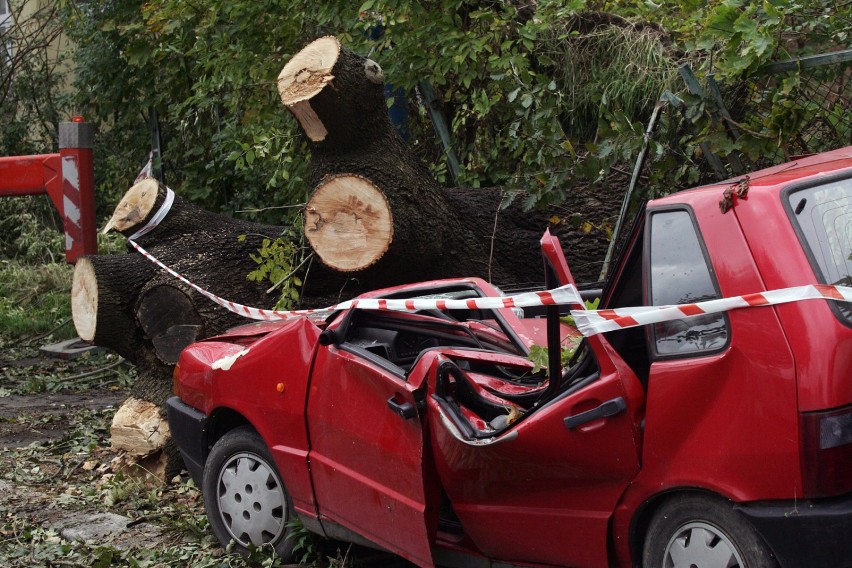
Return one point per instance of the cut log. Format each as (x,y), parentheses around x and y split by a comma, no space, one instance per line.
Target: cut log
(104,292)
(141,435)
(139,428)
(361,161)
(349,223)
(346,97)
(135,206)
(167,314)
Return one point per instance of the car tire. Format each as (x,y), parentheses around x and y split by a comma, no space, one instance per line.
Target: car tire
(244,496)
(702,531)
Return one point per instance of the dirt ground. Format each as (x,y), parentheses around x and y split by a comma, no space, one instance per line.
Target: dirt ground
(64,502)
(25,419)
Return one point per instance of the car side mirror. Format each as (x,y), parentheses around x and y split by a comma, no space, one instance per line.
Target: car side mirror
(337,335)
(328,337)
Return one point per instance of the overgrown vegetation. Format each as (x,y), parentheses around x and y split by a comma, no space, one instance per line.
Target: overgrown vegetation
(539,96)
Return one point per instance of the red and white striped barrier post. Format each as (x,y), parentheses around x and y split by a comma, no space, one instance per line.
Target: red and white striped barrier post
(78,189)
(67,178)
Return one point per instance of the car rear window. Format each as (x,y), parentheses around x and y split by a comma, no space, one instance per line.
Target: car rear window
(823,216)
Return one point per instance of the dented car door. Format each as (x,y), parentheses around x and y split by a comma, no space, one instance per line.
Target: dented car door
(366,455)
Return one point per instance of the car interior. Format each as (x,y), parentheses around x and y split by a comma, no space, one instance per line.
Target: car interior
(483,398)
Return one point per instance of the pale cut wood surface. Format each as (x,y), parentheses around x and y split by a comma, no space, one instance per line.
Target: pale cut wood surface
(134,206)
(84,299)
(308,72)
(348,223)
(139,428)
(311,123)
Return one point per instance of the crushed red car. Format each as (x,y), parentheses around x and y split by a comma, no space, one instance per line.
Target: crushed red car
(714,440)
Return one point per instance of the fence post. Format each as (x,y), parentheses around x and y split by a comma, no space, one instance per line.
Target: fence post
(78,189)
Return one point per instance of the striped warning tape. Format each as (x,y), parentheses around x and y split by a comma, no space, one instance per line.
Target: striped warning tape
(558,296)
(589,322)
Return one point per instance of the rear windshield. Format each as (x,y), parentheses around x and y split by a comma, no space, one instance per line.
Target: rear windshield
(823,215)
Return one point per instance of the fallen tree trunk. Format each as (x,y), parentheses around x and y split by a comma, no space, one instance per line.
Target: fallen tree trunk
(129,305)
(376,218)
(104,292)
(366,177)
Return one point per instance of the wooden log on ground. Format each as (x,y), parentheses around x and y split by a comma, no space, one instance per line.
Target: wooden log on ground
(104,292)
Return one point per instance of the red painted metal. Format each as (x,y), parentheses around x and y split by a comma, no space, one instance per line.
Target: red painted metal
(67,178)
(543,492)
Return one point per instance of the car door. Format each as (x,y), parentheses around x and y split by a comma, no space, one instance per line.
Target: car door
(366,454)
(544,490)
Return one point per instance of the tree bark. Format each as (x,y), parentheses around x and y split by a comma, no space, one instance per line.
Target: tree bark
(436,232)
(104,292)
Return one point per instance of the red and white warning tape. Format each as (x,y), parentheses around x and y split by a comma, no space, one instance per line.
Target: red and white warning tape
(589,322)
(559,296)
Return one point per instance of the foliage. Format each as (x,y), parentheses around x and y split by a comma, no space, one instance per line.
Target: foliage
(33,300)
(208,70)
(539,355)
(32,101)
(734,40)
(278,260)
(30,230)
(539,96)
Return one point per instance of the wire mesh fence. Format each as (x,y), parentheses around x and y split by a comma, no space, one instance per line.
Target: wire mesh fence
(796,107)
(815,98)
(800,106)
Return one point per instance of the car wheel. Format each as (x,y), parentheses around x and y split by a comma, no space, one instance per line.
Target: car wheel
(699,531)
(246,500)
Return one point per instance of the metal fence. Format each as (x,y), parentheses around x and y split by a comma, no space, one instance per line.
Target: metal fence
(800,106)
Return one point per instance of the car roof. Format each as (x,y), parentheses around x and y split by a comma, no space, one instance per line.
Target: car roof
(797,169)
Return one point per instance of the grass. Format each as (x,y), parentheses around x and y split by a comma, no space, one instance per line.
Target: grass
(622,68)
(34,300)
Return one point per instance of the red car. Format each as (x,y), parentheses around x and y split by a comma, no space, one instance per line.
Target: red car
(716,440)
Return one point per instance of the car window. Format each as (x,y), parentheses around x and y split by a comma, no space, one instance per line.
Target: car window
(823,216)
(680,274)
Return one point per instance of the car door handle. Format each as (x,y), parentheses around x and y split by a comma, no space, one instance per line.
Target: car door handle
(406,409)
(605,410)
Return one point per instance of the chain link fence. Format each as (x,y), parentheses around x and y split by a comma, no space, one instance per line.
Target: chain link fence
(800,106)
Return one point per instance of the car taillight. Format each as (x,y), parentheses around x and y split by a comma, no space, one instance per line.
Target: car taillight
(827,452)
(176,381)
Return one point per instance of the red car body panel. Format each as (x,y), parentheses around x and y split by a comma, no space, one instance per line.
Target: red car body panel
(249,387)
(520,485)
(355,482)
(381,450)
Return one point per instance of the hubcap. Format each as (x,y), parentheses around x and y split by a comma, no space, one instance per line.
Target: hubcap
(252,503)
(701,545)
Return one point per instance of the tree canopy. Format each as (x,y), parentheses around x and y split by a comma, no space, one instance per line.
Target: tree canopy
(538,95)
